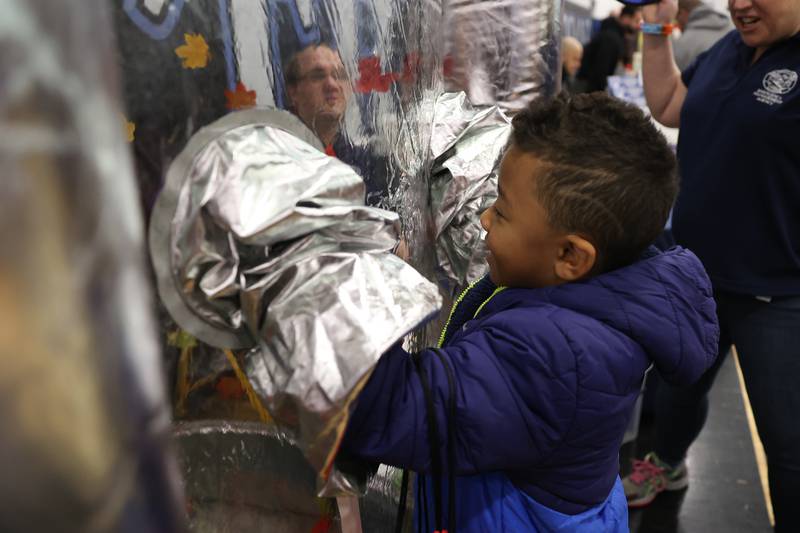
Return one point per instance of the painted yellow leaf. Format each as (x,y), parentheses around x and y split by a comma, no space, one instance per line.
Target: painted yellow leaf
(195,52)
(130,127)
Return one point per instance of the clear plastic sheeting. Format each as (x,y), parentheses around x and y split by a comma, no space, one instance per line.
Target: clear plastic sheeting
(259,239)
(502,52)
(85,425)
(354,72)
(259,481)
(349,69)
(466,147)
(363,78)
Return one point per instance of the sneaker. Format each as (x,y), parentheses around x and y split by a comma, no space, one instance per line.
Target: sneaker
(650,477)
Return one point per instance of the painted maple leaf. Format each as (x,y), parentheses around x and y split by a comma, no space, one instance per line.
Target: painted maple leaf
(241,98)
(195,52)
(130,128)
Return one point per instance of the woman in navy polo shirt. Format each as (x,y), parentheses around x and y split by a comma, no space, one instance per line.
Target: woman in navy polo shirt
(738,108)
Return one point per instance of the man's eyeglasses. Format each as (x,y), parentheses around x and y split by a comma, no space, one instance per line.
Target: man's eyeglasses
(319,75)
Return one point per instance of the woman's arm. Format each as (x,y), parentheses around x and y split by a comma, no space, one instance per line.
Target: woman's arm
(663,88)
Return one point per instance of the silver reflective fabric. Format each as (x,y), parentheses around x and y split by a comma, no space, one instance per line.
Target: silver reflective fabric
(466,146)
(84,425)
(502,52)
(261,240)
(260,481)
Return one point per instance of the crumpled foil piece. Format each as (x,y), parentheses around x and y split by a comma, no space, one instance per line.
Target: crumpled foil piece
(466,146)
(502,53)
(85,424)
(259,240)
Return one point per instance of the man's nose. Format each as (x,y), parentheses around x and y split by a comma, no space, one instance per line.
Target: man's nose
(332,80)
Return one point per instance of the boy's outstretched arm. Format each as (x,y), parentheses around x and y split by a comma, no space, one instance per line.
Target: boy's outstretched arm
(515,400)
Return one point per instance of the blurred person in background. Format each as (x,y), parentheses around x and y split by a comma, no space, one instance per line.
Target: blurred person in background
(701,26)
(571,55)
(608,50)
(738,108)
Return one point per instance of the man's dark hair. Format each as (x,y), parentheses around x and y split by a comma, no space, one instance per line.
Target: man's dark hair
(607,173)
(291,72)
(629,10)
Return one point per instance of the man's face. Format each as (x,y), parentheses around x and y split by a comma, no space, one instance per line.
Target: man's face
(762,23)
(523,247)
(322,88)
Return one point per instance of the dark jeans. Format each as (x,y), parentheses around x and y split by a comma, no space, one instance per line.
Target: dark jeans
(767,339)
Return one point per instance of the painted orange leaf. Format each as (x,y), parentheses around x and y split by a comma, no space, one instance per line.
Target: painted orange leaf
(195,52)
(229,388)
(241,98)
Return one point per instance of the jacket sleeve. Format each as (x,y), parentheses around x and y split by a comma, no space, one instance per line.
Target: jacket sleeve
(515,399)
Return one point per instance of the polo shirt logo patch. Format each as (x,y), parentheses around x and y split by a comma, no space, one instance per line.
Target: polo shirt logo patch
(776,84)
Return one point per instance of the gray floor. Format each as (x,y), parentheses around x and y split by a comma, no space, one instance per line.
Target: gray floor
(724,493)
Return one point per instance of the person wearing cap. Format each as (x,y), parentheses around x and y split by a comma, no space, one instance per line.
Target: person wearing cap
(738,108)
(607,49)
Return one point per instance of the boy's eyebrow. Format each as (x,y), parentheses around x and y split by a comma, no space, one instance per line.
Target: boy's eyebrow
(500,192)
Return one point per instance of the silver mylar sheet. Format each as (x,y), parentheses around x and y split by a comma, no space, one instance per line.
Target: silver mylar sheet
(466,146)
(84,424)
(260,240)
(260,481)
(502,52)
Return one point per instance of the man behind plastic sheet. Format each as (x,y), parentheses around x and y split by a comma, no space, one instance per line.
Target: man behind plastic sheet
(318,91)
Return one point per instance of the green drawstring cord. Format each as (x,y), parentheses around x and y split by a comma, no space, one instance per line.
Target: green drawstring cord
(458,301)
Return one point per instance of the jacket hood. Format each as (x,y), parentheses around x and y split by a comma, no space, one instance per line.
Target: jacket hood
(664,302)
(707,18)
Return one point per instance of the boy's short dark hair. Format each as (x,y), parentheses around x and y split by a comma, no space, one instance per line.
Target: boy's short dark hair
(607,173)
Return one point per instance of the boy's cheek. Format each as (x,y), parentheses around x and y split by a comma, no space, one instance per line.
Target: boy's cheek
(490,261)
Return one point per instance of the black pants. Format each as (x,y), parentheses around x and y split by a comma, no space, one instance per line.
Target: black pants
(767,339)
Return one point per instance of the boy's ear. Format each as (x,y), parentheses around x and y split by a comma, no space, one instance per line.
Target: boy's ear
(576,258)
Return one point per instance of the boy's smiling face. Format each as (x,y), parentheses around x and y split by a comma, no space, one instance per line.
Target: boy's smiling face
(524,249)
(522,245)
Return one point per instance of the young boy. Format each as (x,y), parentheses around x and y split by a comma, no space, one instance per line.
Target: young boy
(542,360)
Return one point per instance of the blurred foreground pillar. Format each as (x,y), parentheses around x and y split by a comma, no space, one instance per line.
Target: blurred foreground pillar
(83,418)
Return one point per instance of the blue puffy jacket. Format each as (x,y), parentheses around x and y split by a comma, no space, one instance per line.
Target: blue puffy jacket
(545,381)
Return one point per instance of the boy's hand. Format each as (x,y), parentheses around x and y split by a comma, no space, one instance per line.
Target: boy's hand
(663,12)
